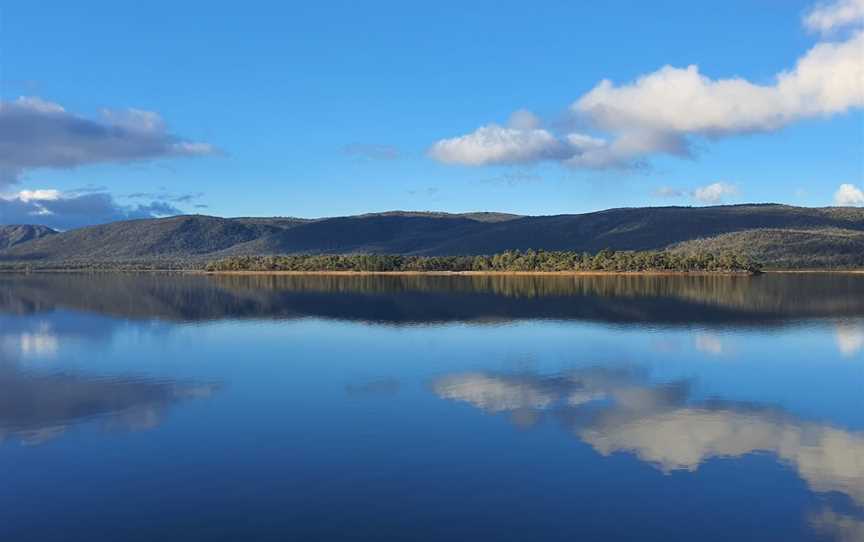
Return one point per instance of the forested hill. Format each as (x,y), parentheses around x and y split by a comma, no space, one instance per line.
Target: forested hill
(792,236)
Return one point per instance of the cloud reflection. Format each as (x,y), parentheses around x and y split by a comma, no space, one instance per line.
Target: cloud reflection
(709,343)
(849,338)
(621,411)
(839,527)
(37,407)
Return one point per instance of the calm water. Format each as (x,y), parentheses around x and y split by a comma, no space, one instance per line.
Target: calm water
(412,408)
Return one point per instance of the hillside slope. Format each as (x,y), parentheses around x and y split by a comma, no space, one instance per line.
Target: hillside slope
(799,249)
(780,233)
(13,235)
(182,236)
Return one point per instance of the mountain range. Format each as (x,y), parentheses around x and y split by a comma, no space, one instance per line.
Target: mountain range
(782,235)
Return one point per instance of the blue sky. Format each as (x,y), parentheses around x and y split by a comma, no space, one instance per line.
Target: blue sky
(334,108)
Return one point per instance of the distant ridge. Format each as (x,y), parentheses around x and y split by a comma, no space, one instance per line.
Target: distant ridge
(790,235)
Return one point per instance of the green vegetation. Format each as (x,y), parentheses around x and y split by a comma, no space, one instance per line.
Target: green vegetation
(827,248)
(510,261)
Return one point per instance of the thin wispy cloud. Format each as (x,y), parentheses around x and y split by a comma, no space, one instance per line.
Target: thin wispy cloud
(167,196)
(710,194)
(669,192)
(36,133)
(514,178)
(664,111)
(368,151)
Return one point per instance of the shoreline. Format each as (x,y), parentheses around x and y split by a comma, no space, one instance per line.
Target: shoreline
(480,273)
(441,273)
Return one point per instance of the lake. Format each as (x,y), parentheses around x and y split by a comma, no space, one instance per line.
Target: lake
(159,407)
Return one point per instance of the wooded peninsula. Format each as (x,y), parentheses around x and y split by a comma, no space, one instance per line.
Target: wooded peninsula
(509,261)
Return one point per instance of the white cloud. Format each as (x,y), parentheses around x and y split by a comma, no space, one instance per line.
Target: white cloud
(826,80)
(495,144)
(832,15)
(35,133)
(663,111)
(27,196)
(715,193)
(848,194)
(523,140)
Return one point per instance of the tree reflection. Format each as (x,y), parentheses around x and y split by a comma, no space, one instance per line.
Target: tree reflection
(665,300)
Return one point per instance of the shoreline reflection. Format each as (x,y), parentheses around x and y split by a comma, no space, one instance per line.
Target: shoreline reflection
(772,300)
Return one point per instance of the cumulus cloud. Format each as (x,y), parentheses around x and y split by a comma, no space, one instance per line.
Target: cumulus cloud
(664,111)
(65,211)
(500,145)
(522,140)
(661,109)
(848,195)
(35,133)
(715,193)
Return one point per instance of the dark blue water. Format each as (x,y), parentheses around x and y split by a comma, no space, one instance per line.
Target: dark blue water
(410,408)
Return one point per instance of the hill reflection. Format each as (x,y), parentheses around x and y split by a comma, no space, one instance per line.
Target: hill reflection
(662,300)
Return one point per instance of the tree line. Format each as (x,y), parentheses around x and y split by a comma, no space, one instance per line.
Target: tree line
(509,261)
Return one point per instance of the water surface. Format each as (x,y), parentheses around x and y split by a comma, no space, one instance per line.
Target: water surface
(156,407)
